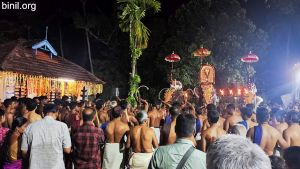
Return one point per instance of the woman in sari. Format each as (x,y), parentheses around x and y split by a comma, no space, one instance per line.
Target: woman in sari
(11,156)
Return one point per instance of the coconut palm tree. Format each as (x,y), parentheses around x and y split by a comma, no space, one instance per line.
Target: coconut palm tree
(132,13)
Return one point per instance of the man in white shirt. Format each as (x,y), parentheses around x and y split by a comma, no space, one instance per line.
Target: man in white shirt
(46,140)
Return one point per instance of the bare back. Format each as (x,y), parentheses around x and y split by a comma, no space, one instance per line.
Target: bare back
(281,127)
(210,135)
(292,135)
(115,130)
(168,135)
(155,117)
(231,121)
(270,138)
(221,122)
(142,139)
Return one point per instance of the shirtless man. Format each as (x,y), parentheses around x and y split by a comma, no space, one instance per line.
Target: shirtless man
(101,113)
(142,140)
(155,117)
(264,135)
(116,128)
(30,114)
(292,133)
(201,116)
(9,112)
(116,131)
(278,121)
(221,120)
(246,115)
(234,118)
(129,112)
(211,134)
(168,135)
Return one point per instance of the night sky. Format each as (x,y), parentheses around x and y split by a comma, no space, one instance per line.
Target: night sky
(274,69)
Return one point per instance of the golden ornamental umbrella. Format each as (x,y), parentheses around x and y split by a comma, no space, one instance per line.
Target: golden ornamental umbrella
(202,52)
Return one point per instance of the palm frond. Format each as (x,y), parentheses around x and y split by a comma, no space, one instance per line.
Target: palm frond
(125,18)
(132,12)
(149,4)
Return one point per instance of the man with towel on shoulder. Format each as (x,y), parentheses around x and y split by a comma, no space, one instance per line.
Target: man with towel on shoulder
(264,135)
(116,131)
(142,140)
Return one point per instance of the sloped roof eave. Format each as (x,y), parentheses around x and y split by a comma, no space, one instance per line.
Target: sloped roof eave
(22,60)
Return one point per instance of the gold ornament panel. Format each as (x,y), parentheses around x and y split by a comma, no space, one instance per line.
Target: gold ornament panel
(207,74)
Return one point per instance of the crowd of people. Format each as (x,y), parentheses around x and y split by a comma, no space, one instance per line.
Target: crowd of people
(39,134)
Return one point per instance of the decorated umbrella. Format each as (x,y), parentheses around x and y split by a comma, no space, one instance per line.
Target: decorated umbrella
(202,53)
(172,58)
(249,59)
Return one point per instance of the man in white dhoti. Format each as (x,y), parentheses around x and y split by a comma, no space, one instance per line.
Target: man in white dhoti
(116,130)
(156,115)
(142,140)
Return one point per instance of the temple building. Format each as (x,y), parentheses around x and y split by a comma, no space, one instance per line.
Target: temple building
(29,70)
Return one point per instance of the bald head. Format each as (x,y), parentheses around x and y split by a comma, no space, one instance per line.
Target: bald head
(142,117)
(88,114)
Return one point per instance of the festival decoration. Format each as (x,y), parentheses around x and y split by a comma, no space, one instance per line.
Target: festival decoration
(30,72)
(250,59)
(207,74)
(22,85)
(207,80)
(172,58)
(241,91)
(138,93)
(201,52)
(246,95)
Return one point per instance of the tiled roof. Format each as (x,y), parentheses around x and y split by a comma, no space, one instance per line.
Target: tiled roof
(17,57)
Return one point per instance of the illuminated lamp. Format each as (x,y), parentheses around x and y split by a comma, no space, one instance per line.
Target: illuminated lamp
(222,92)
(239,92)
(231,92)
(65,80)
(246,91)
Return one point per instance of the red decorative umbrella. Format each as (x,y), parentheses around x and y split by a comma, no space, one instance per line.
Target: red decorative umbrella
(172,58)
(202,52)
(250,58)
